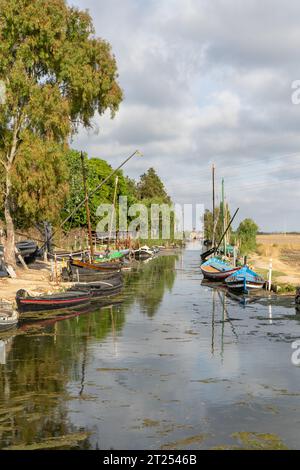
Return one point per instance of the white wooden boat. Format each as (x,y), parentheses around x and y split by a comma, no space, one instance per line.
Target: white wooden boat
(9,317)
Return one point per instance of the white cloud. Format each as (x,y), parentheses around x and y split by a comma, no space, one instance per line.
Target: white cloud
(205,81)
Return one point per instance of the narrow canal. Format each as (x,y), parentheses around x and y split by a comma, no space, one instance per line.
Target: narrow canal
(174,365)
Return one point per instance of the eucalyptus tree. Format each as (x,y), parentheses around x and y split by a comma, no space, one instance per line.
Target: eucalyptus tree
(55,74)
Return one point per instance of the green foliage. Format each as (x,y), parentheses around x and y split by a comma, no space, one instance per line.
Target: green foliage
(40,181)
(56,72)
(97,171)
(57,75)
(246,234)
(151,187)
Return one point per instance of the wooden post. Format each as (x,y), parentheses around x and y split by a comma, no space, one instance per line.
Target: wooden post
(20,258)
(234,255)
(55,265)
(270,275)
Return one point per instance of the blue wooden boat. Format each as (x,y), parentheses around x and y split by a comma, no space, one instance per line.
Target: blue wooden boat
(244,280)
(216,269)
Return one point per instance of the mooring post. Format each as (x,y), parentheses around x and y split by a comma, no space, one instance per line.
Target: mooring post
(270,275)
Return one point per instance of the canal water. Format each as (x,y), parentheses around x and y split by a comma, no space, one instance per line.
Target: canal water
(171,364)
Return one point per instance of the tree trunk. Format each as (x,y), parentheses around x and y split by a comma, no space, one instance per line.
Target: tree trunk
(9,238)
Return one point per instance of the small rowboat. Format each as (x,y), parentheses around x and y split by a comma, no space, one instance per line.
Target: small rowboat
(217,270)
(100,289)
(112,256)
(28,249)
(57,301)
(144,253)
(245,280)
(8,316)
(105,266)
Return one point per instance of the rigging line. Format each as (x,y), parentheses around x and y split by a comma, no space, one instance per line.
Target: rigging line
(237,178)
(262,159)
(266,184)
(258,185)
(250,162)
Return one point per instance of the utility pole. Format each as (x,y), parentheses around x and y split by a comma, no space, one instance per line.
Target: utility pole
(213,210)
(88,215)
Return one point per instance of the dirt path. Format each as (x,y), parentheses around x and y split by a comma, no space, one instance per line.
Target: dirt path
(36,279)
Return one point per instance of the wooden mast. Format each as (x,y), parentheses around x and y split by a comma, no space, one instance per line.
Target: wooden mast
(114,209)
(213,201)
(87,208)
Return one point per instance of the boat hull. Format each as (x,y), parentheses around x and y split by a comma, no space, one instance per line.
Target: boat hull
(142,255)
(213,274)
(245,280)
(100,289)
(96,267)
(66,300)
(8,320)
(244,287)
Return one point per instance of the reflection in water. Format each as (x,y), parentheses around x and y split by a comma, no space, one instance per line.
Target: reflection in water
(270,314)
(47,355)
(5,346)
(159,369)
(42,362)
(150,282)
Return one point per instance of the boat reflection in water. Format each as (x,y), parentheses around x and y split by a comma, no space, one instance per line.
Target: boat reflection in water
(5,346)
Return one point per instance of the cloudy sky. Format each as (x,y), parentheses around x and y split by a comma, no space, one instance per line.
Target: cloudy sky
(206,81)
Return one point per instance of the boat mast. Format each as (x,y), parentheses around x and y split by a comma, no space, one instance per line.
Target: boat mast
(87,208)
(114,210)
(213,201)
(223,215)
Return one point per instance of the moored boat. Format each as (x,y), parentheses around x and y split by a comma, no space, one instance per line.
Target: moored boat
(28,249)
(78,274)
(144,253)
(8,316)
(48,302)
(111,256)
(94,267)
(244,280)
(216,269)
(100,289)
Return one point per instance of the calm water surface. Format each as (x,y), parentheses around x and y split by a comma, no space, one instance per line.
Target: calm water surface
(174,365)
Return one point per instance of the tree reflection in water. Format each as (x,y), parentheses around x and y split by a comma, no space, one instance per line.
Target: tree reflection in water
(43,358)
